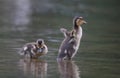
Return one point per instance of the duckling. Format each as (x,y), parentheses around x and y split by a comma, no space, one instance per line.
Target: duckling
(41,48)
(34,49)
(71,42)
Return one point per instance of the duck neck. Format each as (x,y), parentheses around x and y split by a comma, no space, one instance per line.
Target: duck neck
(76,27)
(78,30)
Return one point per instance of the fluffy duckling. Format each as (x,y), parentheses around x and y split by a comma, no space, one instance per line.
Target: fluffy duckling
(34,49)
(71,42)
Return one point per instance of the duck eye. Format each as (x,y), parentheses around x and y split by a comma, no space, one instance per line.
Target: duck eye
(77,20)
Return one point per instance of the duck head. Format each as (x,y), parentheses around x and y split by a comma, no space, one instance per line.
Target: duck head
(40,42)
(78,21)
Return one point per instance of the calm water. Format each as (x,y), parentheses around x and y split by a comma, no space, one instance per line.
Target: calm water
(23,21)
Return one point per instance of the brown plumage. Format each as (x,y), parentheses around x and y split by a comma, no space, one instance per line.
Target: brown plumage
(34,49)
(70,44)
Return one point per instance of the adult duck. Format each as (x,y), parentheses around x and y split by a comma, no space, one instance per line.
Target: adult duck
(71,42)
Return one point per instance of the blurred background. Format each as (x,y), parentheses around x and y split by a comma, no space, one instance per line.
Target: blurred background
(23,21)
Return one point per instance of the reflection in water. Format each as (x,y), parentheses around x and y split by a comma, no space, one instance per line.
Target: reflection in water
(68,69)
(22,12)
(36,67)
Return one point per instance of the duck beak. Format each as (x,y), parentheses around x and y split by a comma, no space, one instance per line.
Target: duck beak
(84,22)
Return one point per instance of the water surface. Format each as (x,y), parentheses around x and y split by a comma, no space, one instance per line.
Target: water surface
(23,21)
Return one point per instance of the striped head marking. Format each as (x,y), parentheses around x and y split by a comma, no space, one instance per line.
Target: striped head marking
(79,21)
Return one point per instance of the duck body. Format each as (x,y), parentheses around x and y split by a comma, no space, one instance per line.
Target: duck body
(71,42)
(34,49)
